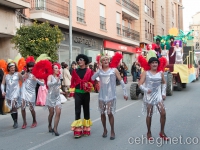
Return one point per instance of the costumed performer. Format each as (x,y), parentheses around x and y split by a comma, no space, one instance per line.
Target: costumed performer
(153,84)
(158,48)
(12,90)
(81,85)
(171,50)
(107,94)
(179,52)
(164,53)
(53,101)
(28,93)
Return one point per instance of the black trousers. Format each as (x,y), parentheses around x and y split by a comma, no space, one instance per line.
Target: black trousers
(1,104)
(82,99)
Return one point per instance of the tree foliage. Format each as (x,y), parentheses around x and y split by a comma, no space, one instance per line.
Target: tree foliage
(38,39)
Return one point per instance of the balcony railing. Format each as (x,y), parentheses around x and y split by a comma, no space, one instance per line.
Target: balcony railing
(118,29)
(102,23)
(60,8)
(80,14)
(131,34)
(131,6)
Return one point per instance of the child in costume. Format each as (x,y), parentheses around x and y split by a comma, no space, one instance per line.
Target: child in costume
(107,94)
(81,86)
(164,53)
(153,84)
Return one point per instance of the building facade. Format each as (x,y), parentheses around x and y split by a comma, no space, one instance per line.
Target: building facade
(94,24)
(195,25)
(157,17)
(11,18)
(107,26)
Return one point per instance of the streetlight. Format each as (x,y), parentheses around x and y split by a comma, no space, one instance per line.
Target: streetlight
(70,32)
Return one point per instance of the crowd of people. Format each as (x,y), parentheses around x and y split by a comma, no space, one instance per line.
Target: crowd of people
(20,90)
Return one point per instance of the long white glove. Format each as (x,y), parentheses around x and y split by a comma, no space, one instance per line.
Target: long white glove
(164,89)
(124,88)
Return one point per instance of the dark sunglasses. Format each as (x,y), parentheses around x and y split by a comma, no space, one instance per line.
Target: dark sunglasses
(81,59)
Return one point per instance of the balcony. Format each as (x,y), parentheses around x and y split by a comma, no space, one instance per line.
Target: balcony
(130,34)
(130,9)
(55,12)
(80,15)
(16,4)
(162,18)
(102,23)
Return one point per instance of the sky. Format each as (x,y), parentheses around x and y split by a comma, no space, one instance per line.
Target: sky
(191,7)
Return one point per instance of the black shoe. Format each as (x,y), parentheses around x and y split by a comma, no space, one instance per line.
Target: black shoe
(2,113)
(15,125)
(56,134)
(51,130)
(112,138)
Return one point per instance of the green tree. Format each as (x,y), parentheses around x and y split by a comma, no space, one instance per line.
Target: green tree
(38,39)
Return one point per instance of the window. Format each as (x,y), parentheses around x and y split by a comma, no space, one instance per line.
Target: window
(145,29)
(162,14)
(172,10)
(118,23)
(80,11)
(163,31)
(172,24)
(152,9)
(102,17)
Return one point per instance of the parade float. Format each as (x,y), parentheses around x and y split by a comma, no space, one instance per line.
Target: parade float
(177,73)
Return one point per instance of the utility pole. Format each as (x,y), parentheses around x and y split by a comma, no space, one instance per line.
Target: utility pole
(70,32)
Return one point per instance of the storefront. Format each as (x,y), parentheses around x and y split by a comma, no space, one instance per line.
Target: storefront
(129,52)
(81,43)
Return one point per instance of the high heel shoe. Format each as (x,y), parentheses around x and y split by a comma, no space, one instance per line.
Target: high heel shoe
(50,130)
(149,138)
(164,137)
(56,133)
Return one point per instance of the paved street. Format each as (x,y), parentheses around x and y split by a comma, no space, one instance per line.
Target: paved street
(182,120)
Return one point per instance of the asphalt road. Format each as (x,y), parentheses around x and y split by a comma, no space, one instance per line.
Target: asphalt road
(182,126)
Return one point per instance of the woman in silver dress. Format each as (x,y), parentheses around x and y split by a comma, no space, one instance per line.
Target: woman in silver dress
(53,101)
(107,94)
(28,94)
(153,84)
(12,91)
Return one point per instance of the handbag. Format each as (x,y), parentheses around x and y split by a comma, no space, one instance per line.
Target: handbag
(5,107)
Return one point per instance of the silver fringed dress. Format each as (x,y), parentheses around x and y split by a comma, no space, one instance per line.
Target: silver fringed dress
(12,90)
(154,99)
(53,96)
(107,94)
(28,93)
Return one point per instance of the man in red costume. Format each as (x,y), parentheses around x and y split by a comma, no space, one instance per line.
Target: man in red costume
(81,85)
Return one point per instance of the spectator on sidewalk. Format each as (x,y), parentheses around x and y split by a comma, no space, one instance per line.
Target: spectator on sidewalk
(133,72)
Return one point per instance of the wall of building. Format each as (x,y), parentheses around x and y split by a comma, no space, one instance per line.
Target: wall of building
(6,49)
(8,18)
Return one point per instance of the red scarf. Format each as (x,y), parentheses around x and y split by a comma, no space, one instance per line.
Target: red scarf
(77,80)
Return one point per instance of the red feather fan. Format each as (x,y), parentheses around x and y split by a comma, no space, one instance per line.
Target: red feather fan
(162,65)
(3,66)
(30,59)
(116,60)
(21,64)
(153,46)
(143,63)
(98,57)
(42,69)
